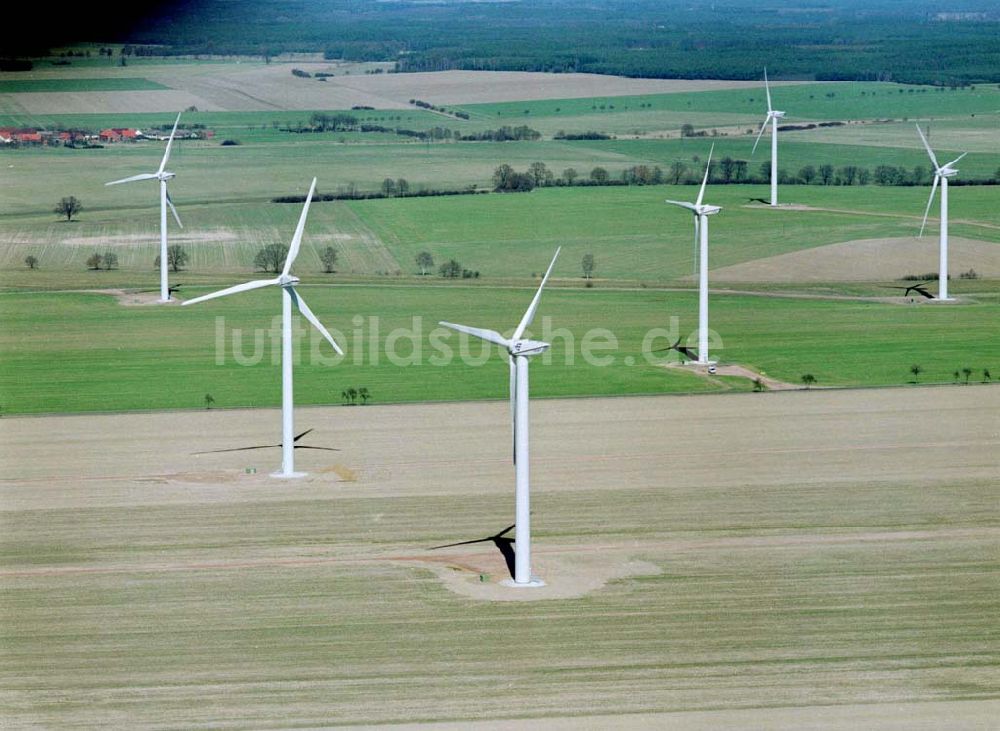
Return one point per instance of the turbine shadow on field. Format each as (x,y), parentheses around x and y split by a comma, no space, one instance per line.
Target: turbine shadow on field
(504,544)
(270,446)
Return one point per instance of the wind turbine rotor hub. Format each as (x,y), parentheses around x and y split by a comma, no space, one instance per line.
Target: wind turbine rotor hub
(528,347)
(165,175)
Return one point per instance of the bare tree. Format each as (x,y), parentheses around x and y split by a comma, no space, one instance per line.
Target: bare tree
(599,175)
(69,207)
(569,175)
(31,261)
(110,261)
(176,258)
(364,394)
(425,261)
(209,400)
(916,370)
(329,258)
(451,269)
(540,173)
(967,372)
(588,265)
(678,170)
(95,260)
(271,258)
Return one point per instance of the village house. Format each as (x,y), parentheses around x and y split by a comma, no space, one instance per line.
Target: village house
(119,134)
(34,136)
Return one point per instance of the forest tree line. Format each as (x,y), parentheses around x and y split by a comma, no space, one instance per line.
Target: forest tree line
(919,41)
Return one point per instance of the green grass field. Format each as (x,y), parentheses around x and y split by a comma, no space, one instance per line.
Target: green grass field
(77,352)
(224,193)
(633,234)
(834,101)
(22,86)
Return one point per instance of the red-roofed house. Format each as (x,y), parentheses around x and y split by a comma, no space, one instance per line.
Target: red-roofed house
(119,134)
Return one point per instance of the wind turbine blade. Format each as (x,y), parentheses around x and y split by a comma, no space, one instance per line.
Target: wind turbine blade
(683,204)
(767,89)
(304,309)
(140,176)
(170,142)
(246,286)
(299,436)
(491,336)
(529,314)
(949,164)
(928,147)
(759,134)
(173,210)
(929,202)
(704,182)
(293,250)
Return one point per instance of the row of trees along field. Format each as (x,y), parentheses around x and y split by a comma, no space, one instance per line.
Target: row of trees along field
(724,171)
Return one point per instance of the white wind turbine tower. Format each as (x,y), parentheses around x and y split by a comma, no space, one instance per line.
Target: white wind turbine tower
(163,176)
(772,116)
(288,295)
(941,174)
(701,213)
(518,352)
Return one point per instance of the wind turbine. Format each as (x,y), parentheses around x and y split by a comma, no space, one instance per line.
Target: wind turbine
(287,283)
(518,352)
(701,213)
(163,176)
(772,116)
(941,174)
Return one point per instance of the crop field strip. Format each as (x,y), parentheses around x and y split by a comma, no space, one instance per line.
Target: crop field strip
(828,562)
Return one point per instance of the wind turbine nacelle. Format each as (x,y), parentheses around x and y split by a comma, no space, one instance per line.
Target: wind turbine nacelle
(165,175)
(778,115)
(708,210)
(287,280)
(528,347)
(947,172)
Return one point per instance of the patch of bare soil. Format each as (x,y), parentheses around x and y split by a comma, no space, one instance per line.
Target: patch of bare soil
(134,299)
(734,369)
(866,260)
(479,574)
